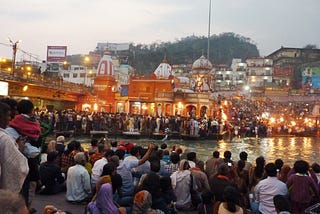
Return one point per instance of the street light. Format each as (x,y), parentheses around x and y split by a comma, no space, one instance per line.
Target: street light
(86,61)
(14,48)
(1,61)
(90,75)
(29,70)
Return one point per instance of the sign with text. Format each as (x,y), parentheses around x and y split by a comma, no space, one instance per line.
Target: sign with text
(56,53)
(310,77)
(4,88)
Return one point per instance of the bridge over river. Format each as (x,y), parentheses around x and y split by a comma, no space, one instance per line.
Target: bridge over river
(42,87)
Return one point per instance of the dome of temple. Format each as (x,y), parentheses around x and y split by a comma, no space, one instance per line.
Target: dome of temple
(163,71)
(105,66)
(201,65)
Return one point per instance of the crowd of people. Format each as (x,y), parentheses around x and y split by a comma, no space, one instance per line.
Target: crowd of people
(239,117)
(114,177)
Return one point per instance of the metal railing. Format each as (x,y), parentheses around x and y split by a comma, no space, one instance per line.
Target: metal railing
(44,81)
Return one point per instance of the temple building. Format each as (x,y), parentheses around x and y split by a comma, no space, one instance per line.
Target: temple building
(152,95)
(105,84)
(201,76)
(163,94)
(160,94)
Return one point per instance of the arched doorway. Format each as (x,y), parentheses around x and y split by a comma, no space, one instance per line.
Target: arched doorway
(168,109)
(203,111)
(191,111)
(159,110)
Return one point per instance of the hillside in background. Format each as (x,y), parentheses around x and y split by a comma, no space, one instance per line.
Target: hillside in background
(223,48)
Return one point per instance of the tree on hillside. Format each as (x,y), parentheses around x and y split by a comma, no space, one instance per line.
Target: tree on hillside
(310,46)
(224,47)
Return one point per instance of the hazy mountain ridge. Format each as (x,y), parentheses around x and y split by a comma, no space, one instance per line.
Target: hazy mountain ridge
(223,48)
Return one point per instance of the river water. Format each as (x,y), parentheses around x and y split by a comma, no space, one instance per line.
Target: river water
(289,149)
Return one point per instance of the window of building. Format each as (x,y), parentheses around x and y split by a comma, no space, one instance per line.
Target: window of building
(75,75)
(66,75)
(82,75)
(219,77)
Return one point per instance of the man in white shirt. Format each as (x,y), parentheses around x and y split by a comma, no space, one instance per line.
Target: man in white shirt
(98,167)
(126,167)
(78,180)
(267,188)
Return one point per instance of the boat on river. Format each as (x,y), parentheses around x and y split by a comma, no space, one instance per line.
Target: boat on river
(135,135)
(210,136)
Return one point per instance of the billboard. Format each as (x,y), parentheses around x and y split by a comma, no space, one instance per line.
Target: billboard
(311,77)
(4,88)
(56,53)
(113,46)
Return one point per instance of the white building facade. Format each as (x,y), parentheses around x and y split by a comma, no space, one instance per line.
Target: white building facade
(259,71)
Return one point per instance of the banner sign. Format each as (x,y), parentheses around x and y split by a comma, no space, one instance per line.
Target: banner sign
(56,53)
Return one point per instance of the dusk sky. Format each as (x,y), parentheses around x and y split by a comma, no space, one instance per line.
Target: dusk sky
(81,24)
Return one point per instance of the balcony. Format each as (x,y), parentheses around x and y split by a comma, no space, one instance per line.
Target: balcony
(241,69)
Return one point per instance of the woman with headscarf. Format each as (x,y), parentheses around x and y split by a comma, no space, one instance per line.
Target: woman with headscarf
(181,183)
(104,202)
(142,204)
(108,170)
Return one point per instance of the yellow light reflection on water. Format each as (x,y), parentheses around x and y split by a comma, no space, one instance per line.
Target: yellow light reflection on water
(292,141)
(306,144)
(223,146)
(280,142)
(271,143)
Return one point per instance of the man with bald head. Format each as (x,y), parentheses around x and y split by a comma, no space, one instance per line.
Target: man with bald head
(78,180)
